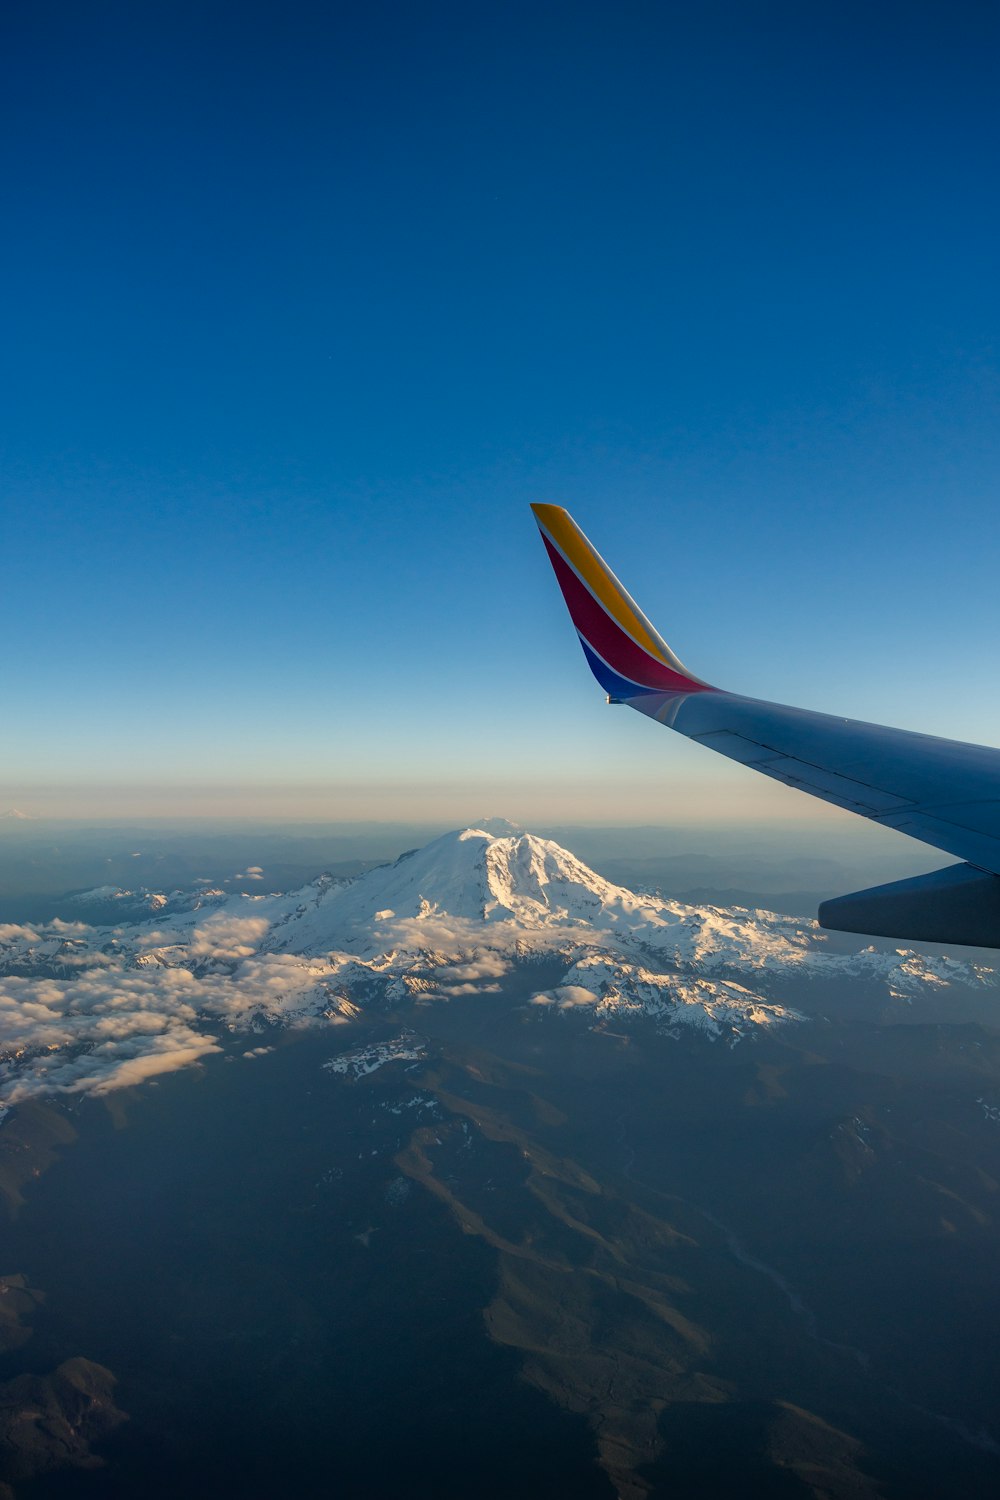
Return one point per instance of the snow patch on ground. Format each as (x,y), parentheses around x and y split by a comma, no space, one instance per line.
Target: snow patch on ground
(365,1060)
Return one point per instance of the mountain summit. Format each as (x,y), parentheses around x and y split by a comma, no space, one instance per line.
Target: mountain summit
(482,876)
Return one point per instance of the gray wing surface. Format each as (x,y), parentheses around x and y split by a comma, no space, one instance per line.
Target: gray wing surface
(942,792)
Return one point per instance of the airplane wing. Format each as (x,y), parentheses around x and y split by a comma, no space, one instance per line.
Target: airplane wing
(940,791)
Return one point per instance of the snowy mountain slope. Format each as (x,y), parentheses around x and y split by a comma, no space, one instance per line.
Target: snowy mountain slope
(90,1006)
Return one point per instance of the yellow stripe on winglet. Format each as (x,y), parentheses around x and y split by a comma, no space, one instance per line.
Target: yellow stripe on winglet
(602,582)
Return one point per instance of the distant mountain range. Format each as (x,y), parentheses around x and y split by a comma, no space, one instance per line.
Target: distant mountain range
(140,984)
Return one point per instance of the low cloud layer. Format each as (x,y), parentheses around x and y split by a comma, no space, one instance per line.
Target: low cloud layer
(224,936)
(112,1025)
(87,1009)
(113,1007)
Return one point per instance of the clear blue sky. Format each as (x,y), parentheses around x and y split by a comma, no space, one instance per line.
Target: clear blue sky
(304,303)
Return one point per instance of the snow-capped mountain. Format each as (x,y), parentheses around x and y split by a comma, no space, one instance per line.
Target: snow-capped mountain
(143,988)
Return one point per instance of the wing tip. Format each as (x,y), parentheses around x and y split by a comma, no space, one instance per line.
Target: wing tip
(611,626)
(541,511)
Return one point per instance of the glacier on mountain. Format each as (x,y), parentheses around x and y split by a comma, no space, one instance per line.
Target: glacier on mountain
(89,1007)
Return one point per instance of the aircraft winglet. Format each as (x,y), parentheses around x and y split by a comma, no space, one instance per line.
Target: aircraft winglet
(626,655)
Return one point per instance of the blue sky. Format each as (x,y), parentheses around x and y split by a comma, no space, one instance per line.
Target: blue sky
(306,303)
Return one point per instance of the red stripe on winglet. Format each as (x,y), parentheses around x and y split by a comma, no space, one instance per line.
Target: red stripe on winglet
(607,638)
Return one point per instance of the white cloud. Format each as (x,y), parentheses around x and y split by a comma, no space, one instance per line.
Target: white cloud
(224,936)
(113,1025)
(120,1064)
(484,964)
(158,938)
(113,1063)
(564,997)
(86,960)
(13,932)
(447,938)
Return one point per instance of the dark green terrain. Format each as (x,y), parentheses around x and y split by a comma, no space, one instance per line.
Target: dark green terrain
(541,1260)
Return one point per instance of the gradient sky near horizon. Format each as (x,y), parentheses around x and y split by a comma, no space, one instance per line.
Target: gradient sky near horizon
(305,303)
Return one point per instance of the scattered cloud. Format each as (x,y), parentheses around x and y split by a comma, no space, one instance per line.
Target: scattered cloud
(117,1065)
(112,1025)
(87,959)
(462,938)
(13,932)
(472,989)
(485,964)
(225,936)
(564,997)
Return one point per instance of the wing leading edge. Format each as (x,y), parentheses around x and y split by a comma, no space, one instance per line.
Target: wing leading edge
(943,792)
